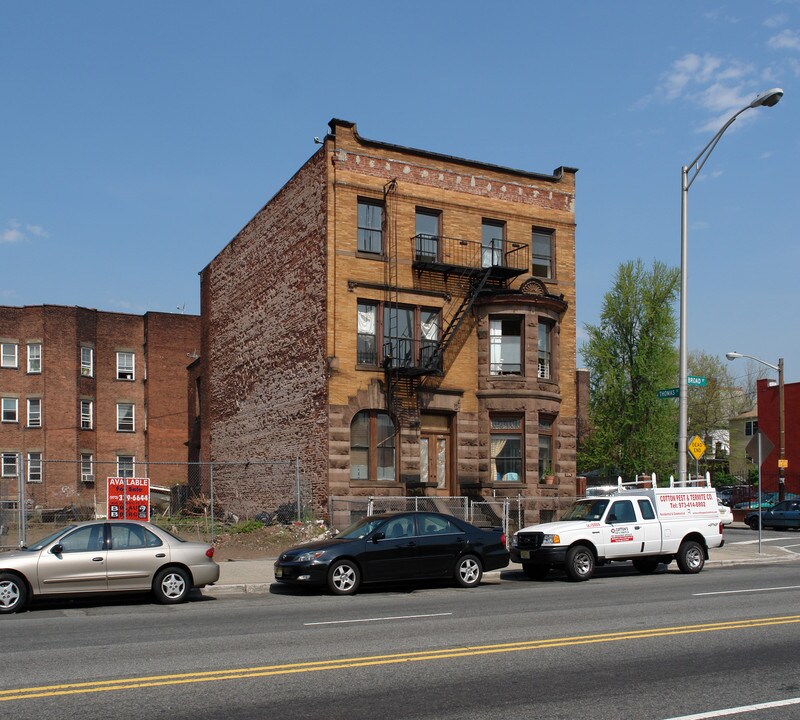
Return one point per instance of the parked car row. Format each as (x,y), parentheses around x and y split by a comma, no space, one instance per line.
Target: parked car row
(784,515)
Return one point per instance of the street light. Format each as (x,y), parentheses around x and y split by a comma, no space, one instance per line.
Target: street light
(781,417)
(767,99)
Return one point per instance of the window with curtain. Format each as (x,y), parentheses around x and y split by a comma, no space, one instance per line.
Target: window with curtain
(370,227)
(546,466)
(492,234)
(545,350)
(408,334)
(367,348)
(506,449)
(34,357)
(505,346)
(372,446)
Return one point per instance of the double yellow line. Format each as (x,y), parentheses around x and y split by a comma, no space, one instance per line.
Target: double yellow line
(372,660)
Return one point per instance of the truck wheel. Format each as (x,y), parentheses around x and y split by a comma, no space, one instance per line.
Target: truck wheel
(646,566)
(535,572)
(580,563)
(691,557)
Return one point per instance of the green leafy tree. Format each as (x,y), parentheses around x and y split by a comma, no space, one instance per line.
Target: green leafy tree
(631,355)
(710,407)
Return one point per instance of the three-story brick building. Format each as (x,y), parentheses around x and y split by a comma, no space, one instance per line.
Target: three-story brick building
(401,320)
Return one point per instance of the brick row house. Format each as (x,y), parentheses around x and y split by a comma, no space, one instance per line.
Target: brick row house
(401,320)
(88,394)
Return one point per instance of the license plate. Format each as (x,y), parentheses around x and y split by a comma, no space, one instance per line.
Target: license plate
(278,572)
(525,554)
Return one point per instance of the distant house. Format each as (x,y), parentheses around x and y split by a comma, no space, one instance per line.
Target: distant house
(741,430)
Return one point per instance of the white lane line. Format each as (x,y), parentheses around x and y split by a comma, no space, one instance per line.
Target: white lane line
(739,710)
(378,619)
(749,590)
(753,542)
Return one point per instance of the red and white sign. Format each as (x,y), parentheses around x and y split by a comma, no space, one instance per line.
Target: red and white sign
(128,498)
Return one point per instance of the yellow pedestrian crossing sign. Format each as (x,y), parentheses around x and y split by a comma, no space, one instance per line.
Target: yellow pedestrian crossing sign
(697,447)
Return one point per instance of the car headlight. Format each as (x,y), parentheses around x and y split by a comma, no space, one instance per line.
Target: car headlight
(551,540)
(310,556)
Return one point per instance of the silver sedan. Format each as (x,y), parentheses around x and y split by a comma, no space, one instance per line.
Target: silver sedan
(106,556)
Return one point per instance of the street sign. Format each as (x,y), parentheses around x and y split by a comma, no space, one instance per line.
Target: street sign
(697,447)
(696,381)
(766,446)
(670,392)
(783,463)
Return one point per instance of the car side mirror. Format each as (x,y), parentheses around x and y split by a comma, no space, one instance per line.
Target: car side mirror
(57,549)
(378,536)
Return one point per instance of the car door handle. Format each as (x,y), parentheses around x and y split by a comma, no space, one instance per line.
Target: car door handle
(97,559)
(160,555)
(637,527)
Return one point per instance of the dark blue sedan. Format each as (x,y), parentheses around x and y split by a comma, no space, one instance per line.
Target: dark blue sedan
(396,547)
(784,515)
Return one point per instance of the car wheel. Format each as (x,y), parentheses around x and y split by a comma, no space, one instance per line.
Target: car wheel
(580,563)
(468,571)
(753,523)
(646,566)
(344,578)
(691,557)
(172,585)
(535,572)
(13,593)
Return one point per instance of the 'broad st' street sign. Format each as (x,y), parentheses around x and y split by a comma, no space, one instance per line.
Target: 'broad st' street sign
(696,381)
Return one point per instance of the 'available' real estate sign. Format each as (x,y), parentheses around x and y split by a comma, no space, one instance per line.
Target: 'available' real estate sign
(128,498)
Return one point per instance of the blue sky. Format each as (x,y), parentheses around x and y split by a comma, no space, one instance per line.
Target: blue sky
(136,139)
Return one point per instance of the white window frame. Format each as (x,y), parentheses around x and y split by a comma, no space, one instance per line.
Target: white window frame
(120,419)
(9,355)
(500,343)
(35,467)
(35,358)
(87,468)
(87,363)
(34,416)
(8,461)
(120,470)
(6,406)
(545,350)
(126,372)
(89,404)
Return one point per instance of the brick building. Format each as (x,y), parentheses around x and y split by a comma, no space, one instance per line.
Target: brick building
(768,422)
(89,394)
(400,320)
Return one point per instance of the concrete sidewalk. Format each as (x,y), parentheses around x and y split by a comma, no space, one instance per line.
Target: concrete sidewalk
(256,576)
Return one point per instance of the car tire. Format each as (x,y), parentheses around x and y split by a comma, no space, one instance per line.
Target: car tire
(691,557)
(171,586)
(580,563)
(13,593)
(753,523)
(344,577)
(468,571)
(646,566)
(535,572)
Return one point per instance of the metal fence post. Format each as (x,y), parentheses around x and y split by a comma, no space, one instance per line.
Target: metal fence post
(297,485)
(211,494)
(22,533)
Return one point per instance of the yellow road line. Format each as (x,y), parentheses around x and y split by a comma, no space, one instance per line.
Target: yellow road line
(388,659)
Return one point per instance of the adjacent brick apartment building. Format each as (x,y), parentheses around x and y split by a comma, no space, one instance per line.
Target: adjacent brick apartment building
(88,394)
(400,320)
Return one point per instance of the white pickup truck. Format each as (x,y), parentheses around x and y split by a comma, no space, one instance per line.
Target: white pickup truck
(646,525)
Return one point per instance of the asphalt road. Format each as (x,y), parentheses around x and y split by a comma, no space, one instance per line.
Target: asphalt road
(621,646)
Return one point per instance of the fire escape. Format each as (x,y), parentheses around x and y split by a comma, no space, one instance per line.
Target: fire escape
(461,270)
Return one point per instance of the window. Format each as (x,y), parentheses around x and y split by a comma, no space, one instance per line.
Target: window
(10,410)
(87,468)
(492,234)
(125,362)
(506,449)
(125,417)
(427,235)
(87,414)
(370,227)
(126,466)
(621,511)
(750,427)
(89,538)
(545,350)
(372,446)
(410,334)
(8,355)
(129,536)
(34,412)
(542,253)
(87,361)
(34,357)
(34,467)
(545,447)
(9,464)
(505,346)
(646,509)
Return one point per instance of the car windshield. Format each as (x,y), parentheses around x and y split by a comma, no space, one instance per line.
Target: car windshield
(586,510)
(362,528)
(44,542)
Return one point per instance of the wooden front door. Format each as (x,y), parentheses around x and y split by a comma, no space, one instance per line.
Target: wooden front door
(435,448)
